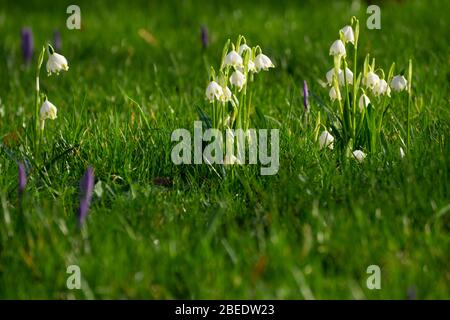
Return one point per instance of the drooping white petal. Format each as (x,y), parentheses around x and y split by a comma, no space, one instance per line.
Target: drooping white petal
(226,96)
(399,83)
(233,59)
(237,79)
(359,155)
(56,62)
(364,101)
(47,111)
(348,34)
(372,80)
(382,88)
(263,62)
(243,48)
(348,75)
(326,140)
(251,66)
(335,94)
(213,91)
(330,75)
(337,49)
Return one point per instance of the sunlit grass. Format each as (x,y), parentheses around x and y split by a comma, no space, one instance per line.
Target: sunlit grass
(156,230)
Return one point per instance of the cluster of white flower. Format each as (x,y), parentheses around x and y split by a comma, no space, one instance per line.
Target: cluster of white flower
(371,85)
(371,79)
(241,63)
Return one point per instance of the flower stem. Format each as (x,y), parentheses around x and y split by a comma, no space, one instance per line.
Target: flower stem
(408,141)
(37,102)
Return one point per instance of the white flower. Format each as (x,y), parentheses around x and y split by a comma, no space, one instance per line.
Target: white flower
(251,66)
(326,140)
(399,83)
(402,153)
(330,75)
(363,102)
(262,62)
(47,111)
(348,75)
(237,79)
(348,34)
(244,47)
(233,59)
(226,96)
(56,62)
(382,88)
(372,80)
(341,80)
(337,49)
(335,94)
(359,155)
(214,91)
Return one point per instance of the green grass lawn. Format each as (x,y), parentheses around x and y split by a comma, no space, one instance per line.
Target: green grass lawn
(309,231)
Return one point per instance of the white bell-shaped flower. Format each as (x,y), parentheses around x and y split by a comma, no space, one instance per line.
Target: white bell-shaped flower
(56,62)
(214,91)
(237,79)
(243,48)
(263,62)
(251,66)
(382,88)
(372,80)
(335,94)
(47,111)
(359,155)
(348,75)
(399,83)
(364,101)
(233,59)
(330,75)
(226,96)
(337,49)
(349,36)
(326,140)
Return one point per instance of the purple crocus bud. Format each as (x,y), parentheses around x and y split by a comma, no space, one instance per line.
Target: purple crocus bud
(22,178)
(204,37)
(27,45)
(86,189)
(305,96)
(57,43)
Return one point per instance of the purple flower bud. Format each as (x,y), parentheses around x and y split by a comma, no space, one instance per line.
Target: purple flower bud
(22,178)
(204,37)
(86,189)
(305,96)
(27,45)
(57,43)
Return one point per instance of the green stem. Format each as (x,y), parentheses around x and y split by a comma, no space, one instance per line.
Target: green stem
(408,141)
(37,102)
(355,77)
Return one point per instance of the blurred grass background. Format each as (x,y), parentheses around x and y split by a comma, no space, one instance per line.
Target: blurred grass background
(156,230)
